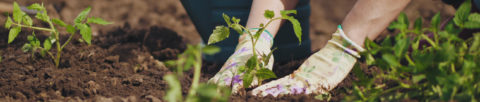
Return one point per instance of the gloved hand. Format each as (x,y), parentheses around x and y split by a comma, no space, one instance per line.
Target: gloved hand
(229,73)
(320,73)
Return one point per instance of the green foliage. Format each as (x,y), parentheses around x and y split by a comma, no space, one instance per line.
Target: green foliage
(22,20)
(192,57)
(255,67)
(444,69)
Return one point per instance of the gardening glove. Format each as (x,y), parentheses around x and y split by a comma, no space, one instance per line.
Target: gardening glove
(229,73)
(320,73)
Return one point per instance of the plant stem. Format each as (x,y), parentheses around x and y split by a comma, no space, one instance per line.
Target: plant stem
(59,49)
(429,40)
(36,28)
(409,59)
(68,41)
(196,74)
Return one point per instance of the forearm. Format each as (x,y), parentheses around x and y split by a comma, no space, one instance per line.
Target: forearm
(368,18)
(258,8)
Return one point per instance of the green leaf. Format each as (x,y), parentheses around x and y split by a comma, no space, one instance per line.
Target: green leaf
(269,14)
(285,13)
(474,17)
(403,19)
(401,46)
(247,79)
(237,27)
(227,19)
(251,63)
(8,23)
(17,13)
(86,32)
(13,34)
(174,93)
(220,33)
(418,25)
(461,15)
(82,16)
(267,58)
(71,29)
(210,50)
(59,22)
(418,78)
(436,21)
(265,73)
(471,25)
(42,16)
(235,20)
(297,28)
(391,60)
(47,44)
(97,20)
(26,47)
(36,7)
(27,20)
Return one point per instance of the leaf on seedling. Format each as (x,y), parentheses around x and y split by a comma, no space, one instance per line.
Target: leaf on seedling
(8,23)
(436,21)
(418,25)
(42,16)
(17,13)
(47,44)
(71,29)
(401,46)
(258,33)
(174,93)
(27,20)
(269,14)
(36,7)
(238,28)
(474,17)
(26,47)
(220,33)
(82,16)
(97,20)
(265,73)
(251,63)
(297,28)
(461,15)
(475,47)
(13,34)
(86,32)
(471,25)
(210,50)
(285,13)
(391,60)
(247,79)
(235,20)
(59,22)
(267,58)
(227,19)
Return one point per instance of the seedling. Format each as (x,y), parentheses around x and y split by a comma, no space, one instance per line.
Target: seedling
(415,66)
(192,57)
(254,66)
(22,20)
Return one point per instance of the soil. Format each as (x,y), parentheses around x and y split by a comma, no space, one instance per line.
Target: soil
(125,60)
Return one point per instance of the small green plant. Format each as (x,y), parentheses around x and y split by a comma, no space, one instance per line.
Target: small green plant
(254,66)
(22,20)
(414,66)
(192,57)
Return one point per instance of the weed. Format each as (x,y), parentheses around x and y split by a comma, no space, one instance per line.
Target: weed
(254,66)
(22,20)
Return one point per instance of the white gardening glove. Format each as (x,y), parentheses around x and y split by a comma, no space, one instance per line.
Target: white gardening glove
(320,73)
(229,74)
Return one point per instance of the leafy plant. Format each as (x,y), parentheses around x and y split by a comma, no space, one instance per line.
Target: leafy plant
(415,66)
(21,20)
(192,57)
(254,66)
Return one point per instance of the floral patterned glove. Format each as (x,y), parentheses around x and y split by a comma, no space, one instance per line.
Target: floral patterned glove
(229,74)
(320,73)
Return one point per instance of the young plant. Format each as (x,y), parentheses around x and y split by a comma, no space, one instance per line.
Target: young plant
(254,66)
(22,20)
(192,57)
(414,66)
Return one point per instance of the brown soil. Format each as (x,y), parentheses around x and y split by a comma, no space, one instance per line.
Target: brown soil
(125,60)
